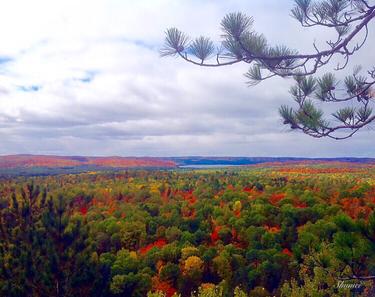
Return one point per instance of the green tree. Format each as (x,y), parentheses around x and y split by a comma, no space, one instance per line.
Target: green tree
(170,273)
(43,250)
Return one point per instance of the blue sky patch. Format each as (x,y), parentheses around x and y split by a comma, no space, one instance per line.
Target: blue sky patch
(32,88)
(5,59)
(88,77)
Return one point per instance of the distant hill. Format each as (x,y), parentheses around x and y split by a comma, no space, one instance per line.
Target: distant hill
(46,164)
(196,160)
(29,161)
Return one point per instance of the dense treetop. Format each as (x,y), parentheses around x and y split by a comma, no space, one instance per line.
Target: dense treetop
(261,232)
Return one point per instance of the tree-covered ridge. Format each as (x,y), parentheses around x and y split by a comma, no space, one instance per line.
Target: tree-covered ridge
(280,231)
(50,161)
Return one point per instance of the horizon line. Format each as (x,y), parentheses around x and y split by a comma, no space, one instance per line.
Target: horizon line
(182,156)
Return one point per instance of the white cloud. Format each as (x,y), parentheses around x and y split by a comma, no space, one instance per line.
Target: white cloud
(97,86)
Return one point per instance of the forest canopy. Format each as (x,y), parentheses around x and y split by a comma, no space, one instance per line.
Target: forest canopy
(278,231)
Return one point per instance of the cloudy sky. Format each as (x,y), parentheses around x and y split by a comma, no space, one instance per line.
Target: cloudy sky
(85,78)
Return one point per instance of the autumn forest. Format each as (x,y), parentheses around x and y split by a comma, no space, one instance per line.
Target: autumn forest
(278,230)
(187,148)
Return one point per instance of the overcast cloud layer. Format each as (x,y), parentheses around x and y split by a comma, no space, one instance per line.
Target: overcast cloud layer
(85,78)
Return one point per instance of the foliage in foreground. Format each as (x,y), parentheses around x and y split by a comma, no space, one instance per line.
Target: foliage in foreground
(285,231)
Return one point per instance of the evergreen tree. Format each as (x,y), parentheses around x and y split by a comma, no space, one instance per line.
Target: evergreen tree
(349,19)
(43,249)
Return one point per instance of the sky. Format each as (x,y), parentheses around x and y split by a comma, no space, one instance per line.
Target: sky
(86,78)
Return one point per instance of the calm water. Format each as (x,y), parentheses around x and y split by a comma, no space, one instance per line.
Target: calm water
(209,166)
